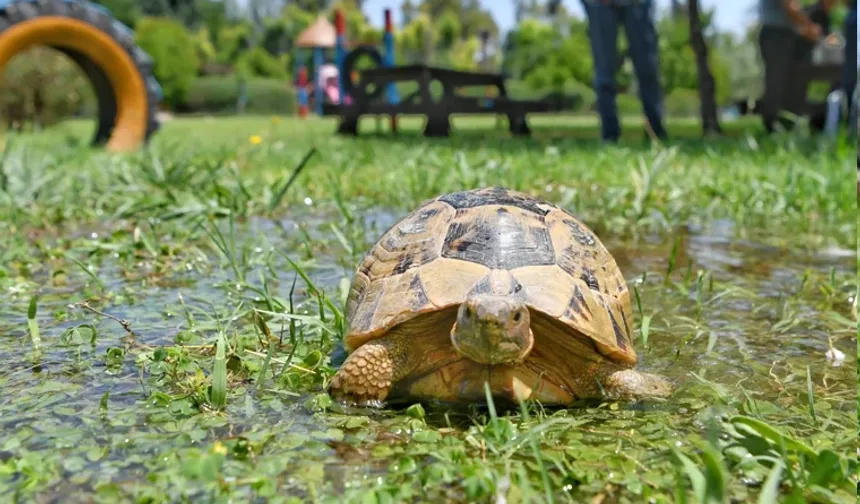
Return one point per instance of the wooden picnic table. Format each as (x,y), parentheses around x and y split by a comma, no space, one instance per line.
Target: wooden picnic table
(368,98)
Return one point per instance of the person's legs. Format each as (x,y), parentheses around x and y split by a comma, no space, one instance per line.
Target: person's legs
(777,52)
(603,34)
(644,52)
(796,87)
(849,70)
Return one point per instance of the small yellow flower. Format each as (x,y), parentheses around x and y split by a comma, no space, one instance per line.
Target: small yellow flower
(255,139)
(219,448)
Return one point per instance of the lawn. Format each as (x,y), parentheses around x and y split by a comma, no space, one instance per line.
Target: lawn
(170,317)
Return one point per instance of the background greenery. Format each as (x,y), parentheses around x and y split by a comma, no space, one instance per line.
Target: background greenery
(204,50)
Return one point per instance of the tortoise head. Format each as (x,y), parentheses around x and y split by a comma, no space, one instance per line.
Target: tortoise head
(493,329)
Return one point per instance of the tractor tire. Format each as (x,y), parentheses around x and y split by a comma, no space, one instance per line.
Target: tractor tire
(120,72)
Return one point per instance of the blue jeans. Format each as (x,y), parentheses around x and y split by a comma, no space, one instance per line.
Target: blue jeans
(849,70)
(637,19)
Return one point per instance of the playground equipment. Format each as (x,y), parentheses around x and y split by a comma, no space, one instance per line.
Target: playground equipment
(367,98)
(388,44)
(333,84)
(327,81)
(119,71)
(346,63)
(317,37)
(302,91)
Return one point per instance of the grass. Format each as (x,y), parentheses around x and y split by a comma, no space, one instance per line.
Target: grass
(190,305)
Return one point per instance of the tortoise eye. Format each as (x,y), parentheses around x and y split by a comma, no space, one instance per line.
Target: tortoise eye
(518,316)
(468,312)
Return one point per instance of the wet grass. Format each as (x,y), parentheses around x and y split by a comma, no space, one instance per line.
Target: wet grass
(171,318)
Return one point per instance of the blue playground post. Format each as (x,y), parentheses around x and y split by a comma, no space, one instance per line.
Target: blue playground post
(301,84)
(388,61)
(318,92)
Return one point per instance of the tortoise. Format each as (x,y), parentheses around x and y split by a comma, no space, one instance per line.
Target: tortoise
(489,285)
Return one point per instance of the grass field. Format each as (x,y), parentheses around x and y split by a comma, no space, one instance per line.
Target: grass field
(169,317)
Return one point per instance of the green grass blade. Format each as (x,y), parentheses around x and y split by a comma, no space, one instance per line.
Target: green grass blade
(715,476)
(490,404)
(673,257)
(270,345)
(767,432)
(770,490)
(810,396)
(32,324)
(87,271)
(533,440)
(697,479)
(645,329)
(279,196)
(638,300)
(218,396)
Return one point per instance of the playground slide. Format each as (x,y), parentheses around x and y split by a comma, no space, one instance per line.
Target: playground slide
(119,71)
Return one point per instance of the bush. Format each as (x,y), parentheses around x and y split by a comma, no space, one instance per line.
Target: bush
(40,87)
(204,47)
(126,12)
(628,104)
(523,90)
(682,103)
(232,41)
(220,94)
(259,63)
(175,54)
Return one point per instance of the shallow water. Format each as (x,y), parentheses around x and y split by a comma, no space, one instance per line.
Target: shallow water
(762,335)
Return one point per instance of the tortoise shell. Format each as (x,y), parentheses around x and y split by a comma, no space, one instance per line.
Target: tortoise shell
(455,245)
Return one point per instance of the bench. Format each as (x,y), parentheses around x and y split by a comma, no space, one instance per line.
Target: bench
(368,98)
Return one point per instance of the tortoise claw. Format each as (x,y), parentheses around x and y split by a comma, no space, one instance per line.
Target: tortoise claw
(349,393)
(353,401)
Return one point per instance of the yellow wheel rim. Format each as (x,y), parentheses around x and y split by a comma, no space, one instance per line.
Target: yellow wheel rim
(129,131)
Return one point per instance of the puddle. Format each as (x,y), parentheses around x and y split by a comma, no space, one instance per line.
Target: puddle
(762,335)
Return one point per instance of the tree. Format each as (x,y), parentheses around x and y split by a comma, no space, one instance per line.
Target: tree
(185,11)
(408,11)
(540,54)
(126,11)
(415,41)
(40,87)
(707,88)
(746,72)
(175,55)
(191,13)
(261,10)
(677,9)
(281,32)
(357,27)
(473,18)
(449,28)
(314,6)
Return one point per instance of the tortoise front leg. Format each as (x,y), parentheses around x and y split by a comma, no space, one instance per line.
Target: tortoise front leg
(632,384)
(368,374)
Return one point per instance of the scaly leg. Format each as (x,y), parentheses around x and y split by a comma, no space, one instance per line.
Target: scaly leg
(368,374)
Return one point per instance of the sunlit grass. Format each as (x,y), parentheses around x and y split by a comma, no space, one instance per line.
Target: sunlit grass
(190,308)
